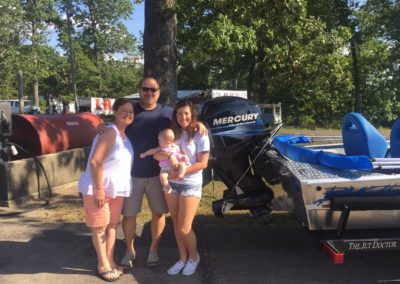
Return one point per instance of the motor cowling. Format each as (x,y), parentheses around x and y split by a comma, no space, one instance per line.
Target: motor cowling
(235,126)
(231,119)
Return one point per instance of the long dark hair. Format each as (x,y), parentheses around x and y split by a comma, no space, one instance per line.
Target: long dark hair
(175,125)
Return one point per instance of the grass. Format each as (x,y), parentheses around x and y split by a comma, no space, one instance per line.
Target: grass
(67,208)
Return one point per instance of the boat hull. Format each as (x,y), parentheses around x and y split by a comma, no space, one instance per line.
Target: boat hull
(310,190)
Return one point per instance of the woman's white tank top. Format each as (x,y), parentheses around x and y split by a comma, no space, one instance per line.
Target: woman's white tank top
(117,180)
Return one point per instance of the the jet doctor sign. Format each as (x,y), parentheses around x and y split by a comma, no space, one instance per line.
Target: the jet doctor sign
(101,106)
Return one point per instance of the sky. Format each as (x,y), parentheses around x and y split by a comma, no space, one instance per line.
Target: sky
(136,24)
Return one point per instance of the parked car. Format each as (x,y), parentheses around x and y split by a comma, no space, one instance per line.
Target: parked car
(30,109)
(14,104)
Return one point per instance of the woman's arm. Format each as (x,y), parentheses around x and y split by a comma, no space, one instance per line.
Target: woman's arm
(201,163)
(103,148)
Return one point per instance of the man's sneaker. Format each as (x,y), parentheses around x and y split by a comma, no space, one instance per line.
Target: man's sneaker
(127,260)
(191,266)
(176,268)
(153,259)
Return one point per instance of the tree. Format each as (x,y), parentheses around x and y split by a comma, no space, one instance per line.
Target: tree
(272,48)
(380,57)
(98,35)
(159,44)
(11,29)
(37,15)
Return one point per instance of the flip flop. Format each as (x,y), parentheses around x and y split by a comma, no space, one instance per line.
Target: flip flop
(103,275)
(119,269)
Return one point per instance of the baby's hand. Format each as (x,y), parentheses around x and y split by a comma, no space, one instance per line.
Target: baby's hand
(172,175)
(186,158)
(142,156)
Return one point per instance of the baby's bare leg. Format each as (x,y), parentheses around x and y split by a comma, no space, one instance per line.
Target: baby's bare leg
(164,181)
(181,170)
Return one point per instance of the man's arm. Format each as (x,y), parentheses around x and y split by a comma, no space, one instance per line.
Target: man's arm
(102,127)
(201,128)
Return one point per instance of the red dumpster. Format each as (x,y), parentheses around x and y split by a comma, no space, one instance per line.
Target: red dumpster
(46,134)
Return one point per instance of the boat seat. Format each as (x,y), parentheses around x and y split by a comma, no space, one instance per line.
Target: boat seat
(361,138)
(395,140)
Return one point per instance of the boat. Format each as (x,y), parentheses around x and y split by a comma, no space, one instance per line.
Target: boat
(351,184)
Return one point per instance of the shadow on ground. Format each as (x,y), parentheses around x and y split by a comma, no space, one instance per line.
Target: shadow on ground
(243,251)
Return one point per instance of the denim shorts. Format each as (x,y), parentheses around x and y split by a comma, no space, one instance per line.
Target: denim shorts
(186,189)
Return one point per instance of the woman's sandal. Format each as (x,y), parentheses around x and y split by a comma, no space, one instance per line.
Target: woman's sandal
(119,269)
(108,275)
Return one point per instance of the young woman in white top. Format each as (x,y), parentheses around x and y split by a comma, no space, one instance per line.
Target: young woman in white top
(105,183)
(184,198)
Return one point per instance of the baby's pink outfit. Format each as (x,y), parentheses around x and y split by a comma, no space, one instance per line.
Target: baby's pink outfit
(165,165)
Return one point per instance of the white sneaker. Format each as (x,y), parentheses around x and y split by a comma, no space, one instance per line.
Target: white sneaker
(153,259)
(127,260)
(191,266)
(176,268)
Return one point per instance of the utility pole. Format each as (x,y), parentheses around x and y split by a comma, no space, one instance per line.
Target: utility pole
(70,12)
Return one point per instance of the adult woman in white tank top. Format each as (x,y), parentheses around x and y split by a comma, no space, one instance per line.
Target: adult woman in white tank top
(105,184)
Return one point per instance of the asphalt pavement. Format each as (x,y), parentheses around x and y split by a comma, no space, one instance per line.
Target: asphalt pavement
(33,251)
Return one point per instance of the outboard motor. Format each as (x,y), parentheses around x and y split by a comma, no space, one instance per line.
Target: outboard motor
(236,126)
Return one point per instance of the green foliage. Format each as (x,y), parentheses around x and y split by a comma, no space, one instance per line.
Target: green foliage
(271,48)
(11,24)
(297,52)
(100,30)
(97,35)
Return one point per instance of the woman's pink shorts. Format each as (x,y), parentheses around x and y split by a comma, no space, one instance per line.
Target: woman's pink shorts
(100,217)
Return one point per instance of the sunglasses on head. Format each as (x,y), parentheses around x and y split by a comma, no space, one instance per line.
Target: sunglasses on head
(147,89)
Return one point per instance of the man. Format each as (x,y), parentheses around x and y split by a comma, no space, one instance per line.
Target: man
(150,118)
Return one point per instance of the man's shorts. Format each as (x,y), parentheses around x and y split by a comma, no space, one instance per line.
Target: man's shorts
(100,217)
(153,189)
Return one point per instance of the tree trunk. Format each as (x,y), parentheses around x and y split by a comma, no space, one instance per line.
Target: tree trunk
(356,76)
(36,92)
(263,84)
(159,43)
(250,76)
(263,95)
(35,60)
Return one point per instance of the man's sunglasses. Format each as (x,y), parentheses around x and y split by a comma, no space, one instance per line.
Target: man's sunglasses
(146,89)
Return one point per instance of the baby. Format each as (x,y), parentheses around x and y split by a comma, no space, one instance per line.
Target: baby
(176,159)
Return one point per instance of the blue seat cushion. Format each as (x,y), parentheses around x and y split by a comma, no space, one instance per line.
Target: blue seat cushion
(361,138)
(395,140)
